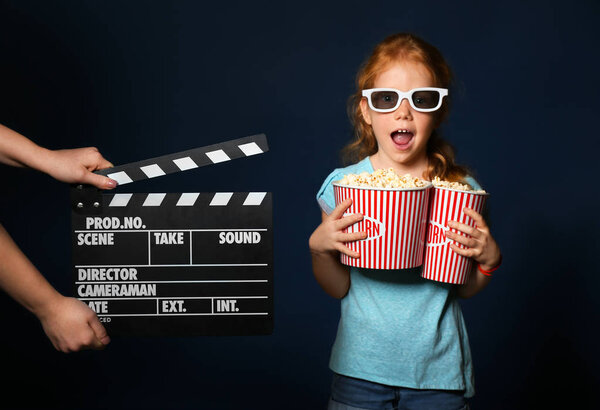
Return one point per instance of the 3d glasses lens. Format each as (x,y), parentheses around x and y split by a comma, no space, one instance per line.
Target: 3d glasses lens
(384,100)
(426,99)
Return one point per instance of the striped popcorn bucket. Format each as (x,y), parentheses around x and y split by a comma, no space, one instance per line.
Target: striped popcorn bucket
(441,263)
(395,221)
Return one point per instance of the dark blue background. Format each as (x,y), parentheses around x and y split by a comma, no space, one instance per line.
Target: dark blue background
(138,79)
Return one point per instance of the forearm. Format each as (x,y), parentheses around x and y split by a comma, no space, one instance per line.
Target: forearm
(326,243)
(21,280)
(476,282)
(19,151)
(331,275)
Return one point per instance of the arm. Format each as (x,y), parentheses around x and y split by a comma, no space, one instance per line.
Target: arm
(69,324)
(325,244)
(68,165)
(476,282)
(481,247)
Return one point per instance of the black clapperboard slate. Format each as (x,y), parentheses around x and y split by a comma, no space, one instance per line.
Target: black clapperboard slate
(176,264)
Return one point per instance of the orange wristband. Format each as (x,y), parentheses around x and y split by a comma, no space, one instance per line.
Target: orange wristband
(489,272)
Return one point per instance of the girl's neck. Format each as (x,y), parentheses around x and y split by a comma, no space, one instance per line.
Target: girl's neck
(416,168)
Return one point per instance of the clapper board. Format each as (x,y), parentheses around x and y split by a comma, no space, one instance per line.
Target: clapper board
(176,264)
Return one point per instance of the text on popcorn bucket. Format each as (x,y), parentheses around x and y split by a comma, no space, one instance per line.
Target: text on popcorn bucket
(437,234)
(373,228)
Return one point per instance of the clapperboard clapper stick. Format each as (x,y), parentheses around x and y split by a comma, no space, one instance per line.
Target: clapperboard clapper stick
(176,264)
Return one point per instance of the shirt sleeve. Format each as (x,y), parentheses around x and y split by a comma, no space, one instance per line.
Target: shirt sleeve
(325,196)
(471,181)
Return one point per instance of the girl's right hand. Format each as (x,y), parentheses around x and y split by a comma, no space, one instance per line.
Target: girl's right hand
(328,237)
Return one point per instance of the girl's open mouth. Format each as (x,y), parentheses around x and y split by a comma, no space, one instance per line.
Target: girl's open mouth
(402,138)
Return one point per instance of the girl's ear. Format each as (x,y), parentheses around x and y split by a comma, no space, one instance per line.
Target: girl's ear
(364,109)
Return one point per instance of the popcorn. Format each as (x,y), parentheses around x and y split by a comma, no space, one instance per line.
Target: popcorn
(437,182)
(382,178)
(387,178)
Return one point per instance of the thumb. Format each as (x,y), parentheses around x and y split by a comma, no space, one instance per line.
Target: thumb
(99,332)
(99,181)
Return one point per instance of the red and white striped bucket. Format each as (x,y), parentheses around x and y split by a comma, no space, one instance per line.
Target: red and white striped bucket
(395,221)
(441,263)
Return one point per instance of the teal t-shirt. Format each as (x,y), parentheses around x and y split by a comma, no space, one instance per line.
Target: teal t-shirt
(397,328)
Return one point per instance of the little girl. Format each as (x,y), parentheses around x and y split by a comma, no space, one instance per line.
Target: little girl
(401,340)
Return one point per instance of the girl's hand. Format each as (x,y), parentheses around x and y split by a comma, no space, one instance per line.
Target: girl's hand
(481,246)
(72,326)
(76,166)
(328,237)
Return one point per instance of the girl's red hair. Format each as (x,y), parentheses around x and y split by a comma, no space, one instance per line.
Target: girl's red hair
(404,46)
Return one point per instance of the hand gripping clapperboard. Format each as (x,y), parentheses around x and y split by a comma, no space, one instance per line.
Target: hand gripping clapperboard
(176,264)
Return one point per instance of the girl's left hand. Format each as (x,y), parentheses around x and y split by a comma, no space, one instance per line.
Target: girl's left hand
(481,246)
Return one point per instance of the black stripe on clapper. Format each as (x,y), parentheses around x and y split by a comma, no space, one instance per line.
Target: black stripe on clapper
(190,159)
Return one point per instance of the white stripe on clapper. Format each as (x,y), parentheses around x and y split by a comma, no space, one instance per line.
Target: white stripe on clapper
(152,171)
(154,199)
(255,198)
(185,163)
(121,177)
(120,200)
(188,199)
(218,156)
(221,198)
(250,149)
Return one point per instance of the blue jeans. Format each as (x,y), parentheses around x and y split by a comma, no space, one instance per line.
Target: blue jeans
(348,393)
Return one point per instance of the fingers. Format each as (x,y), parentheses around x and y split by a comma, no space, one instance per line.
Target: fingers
(468,253)
(346,221)
(470,230)
(463,240)
(329,236)
(91,158)
(76,340)
(347,251)
(351,237)
(95,161)
(105,164)
(472,239)
(72,326)
(99,181)
(91,335)
(76,166)
(479,221)
(341,208)
(464,228)
(101,337)
(95,158)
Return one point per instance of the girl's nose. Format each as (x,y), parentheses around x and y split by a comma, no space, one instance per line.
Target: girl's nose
(404,110)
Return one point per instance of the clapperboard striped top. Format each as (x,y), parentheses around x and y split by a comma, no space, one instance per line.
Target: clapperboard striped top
(185,160)
(186,199)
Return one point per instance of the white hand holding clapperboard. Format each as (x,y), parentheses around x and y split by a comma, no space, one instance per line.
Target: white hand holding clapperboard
(176,263)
